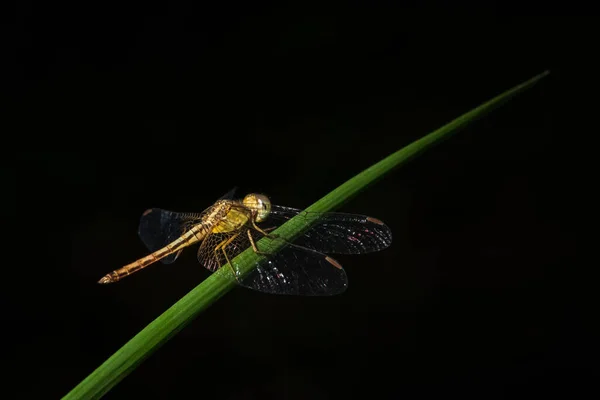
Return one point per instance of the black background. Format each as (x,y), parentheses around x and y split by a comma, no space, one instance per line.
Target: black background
(113,109)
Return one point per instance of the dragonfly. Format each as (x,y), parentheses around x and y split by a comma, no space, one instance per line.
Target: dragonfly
(230,226)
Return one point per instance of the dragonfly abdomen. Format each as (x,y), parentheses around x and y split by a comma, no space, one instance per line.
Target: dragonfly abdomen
(196,234)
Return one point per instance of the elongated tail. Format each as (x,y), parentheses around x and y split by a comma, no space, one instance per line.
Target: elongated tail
(188,238)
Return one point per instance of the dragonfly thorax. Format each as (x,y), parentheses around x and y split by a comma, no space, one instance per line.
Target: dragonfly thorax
(259,203)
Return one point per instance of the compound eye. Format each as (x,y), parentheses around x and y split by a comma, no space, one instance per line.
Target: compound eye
(260,203)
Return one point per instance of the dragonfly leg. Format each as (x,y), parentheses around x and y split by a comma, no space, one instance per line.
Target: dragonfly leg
(221,246)
(254,246)
(264,231)
(218,247)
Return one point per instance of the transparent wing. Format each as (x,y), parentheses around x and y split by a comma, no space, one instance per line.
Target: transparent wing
(229,195)
(336,233)
(293,270)
(210,252)
(160,227)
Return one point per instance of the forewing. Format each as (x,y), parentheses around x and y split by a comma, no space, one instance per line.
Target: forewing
(229,195)
(336,233)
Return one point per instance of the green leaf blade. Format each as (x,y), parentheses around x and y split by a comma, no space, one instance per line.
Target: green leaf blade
(159,331)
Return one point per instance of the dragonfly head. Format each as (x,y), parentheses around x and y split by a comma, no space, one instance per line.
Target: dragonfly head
(260,203)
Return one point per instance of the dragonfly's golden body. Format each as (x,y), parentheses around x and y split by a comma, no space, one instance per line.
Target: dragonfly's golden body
(298,266)
(222,217)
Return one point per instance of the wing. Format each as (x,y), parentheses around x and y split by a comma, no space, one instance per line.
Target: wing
(160,227)
(335,233)
(293,270)
(229,195)
(210,252)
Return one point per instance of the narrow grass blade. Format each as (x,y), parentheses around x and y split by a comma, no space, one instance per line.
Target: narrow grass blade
(128,357)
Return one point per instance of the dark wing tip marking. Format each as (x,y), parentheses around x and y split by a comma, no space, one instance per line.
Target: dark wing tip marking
(333,262)
(375,220)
